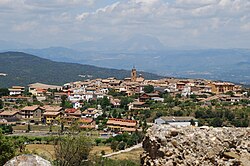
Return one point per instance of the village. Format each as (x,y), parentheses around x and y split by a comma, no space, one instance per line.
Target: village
(111,106)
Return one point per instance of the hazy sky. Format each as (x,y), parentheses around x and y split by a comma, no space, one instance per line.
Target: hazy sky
(176,23)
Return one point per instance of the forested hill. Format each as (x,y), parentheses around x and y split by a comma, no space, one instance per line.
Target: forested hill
(23,69)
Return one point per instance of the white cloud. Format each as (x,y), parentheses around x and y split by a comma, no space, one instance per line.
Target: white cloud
(246,27)
(172,21)
(25,26)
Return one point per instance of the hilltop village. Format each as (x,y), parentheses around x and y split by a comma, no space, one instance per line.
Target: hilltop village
(116,114)
(116,106)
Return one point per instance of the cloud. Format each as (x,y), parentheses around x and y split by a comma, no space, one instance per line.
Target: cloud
(25,26)
(246,27)
(166,19)
(174,22)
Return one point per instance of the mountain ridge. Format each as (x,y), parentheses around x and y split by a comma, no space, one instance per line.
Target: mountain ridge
(23,69)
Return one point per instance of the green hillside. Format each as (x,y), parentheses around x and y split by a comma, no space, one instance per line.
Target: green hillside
(23,69)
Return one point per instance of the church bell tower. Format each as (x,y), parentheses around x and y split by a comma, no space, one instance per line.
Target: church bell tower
(133,75)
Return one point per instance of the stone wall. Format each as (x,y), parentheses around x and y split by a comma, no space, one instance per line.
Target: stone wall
(190,146)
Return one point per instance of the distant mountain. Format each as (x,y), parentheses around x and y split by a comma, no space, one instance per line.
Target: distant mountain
(134,43)
(217,64)
(60,54)
(23,69)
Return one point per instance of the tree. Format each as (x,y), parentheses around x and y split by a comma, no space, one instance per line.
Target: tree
(114,114)
(230,93)
(9,129)
(63,100)
(192,122)
(121,145)
(1,104)
(62,127)
(144,125)
(98,141)
(65,103)
(119,115)
(50,127)
(216,122)
(105,102)
(28,128)
(72,149)
(124,102)
(4,92)
(7,149)
(148,89)
(114,145)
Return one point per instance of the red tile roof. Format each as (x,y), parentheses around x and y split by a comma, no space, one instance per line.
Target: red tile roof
(70,110)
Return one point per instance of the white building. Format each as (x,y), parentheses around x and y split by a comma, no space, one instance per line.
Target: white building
(176,121)
(16,90)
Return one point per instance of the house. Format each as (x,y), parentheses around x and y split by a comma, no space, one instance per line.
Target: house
(157,99)
(58,96)
(180,85)
(68,120)
(15,99)
(73,112)
(11,116)
(87,123)
(122,125)
(32,112)
(221,87)
(77,105)
(115,102)
(137,105)
(130,92)
(49,108)
(52,117)
(16,90)
(148,96)
(91,113)
(176,120)
(144,97)
(69,111)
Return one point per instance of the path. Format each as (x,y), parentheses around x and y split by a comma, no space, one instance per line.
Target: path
(123,151)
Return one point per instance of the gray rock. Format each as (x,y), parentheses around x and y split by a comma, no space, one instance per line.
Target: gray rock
(28,160)
(205,146)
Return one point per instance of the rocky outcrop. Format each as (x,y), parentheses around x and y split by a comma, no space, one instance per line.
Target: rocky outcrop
(190,146)
(28,160)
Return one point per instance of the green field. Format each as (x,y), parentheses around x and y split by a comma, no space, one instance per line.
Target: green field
(37,128)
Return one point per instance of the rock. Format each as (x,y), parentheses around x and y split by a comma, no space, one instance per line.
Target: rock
(27,160)
(231,155)
(205,146)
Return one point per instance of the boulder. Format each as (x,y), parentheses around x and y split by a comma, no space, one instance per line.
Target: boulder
(203,146)
(27,160)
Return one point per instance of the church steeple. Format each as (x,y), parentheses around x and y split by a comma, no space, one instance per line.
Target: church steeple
(133,74)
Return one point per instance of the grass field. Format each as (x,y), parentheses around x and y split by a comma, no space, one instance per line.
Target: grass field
(98,149)
(36,128)
(133,155)
(43,150)
(47,151)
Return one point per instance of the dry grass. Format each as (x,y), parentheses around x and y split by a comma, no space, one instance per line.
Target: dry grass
(43,150)
(133,155)
(47,152)
(98,149)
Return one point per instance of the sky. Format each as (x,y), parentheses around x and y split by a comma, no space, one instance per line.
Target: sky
(176,23)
